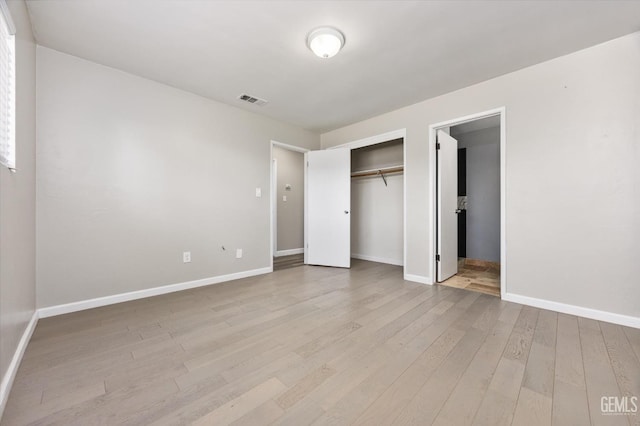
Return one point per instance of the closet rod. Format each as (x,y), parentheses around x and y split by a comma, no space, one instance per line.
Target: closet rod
(377,172)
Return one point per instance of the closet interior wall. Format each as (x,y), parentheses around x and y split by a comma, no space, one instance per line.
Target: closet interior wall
(377,204)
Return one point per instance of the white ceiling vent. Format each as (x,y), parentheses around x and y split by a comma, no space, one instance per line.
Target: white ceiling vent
(252,99)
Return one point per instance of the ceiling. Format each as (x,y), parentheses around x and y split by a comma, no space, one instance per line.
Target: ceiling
(397,52)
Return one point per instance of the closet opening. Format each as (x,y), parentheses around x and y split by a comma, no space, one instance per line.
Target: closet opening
(469,201)
(377,202)
(355,203)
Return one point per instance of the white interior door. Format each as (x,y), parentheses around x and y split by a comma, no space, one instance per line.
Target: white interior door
(327,208)
(447,151)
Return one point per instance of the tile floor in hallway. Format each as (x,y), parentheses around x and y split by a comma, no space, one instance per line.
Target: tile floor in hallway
(480,276)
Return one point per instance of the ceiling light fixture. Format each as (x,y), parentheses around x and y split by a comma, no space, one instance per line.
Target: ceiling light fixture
(325,42)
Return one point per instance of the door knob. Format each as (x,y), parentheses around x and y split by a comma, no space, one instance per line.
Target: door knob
(346,212)
(458,211)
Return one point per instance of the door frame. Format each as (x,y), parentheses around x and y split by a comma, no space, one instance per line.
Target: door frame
(381,138)
(273,205)
(433,128)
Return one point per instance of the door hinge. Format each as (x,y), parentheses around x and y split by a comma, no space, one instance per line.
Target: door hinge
(437,258)
(437,145)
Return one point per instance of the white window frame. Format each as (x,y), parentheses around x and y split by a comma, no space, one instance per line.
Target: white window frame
(7,88)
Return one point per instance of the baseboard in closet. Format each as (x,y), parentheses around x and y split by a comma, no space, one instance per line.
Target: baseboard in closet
(389,261)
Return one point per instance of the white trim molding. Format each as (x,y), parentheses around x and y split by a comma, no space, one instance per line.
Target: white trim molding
(290,147)
(389,261)
(141,294)
(373,140)
(418,279)
(289,252)
(12,370)
(579,311)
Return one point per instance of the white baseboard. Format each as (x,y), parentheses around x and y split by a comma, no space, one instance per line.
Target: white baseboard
(397,262)
(141,294)
(418,279)
(288,252)
(580,311)
(10,375)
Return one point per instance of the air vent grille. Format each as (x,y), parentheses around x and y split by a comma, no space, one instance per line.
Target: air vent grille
(252,99)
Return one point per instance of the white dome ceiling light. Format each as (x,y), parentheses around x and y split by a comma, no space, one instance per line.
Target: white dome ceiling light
(325,42)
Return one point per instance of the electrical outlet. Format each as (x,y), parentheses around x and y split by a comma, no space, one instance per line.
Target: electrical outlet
(238,253)
(186,257)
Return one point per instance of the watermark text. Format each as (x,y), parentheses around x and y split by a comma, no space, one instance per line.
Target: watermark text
(619,405)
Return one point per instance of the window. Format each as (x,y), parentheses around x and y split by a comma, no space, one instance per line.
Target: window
(7,88)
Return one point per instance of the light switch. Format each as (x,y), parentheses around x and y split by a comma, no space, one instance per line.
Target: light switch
(258,192)
(238,253)
(284,198)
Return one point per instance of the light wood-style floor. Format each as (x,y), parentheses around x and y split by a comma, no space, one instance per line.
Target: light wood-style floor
(313,345)
(476,276)
(286,262)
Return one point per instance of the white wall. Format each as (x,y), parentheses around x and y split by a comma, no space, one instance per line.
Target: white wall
(131,173)
(376,221)
(17,204)
(376,209)
(483,193)
(291,212)
(572,175)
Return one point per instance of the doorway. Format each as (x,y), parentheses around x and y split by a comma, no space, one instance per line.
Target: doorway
(378,198)
(287,205)
(469,182)
(377,191)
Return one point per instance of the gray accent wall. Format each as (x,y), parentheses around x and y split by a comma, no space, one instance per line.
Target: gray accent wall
(132,173)
(290,213)
(483,192)
(17,201)
(572,175)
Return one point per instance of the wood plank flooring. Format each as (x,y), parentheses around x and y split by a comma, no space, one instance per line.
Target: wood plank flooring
(313,345)
(286,262)
(474,275)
